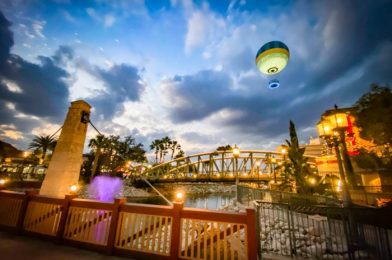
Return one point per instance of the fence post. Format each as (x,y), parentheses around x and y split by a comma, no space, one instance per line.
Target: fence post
(113,224)
(176,229)
(23,209)
(64,215)
(256,205)
(251,234)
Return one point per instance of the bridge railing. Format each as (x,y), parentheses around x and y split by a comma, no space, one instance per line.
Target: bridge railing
(136,230)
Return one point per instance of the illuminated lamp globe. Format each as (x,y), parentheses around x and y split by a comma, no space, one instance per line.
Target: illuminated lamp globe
(272,57)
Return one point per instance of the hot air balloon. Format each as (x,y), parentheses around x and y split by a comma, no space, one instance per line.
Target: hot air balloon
(271,59)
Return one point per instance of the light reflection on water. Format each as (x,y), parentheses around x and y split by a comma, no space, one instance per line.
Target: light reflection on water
(210,201)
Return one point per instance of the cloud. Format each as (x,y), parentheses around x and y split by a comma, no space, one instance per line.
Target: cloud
(29,91)
(6,39)
(38,27)
(10,132)
(203,27)
(109,20)
(123,83)
(70,18)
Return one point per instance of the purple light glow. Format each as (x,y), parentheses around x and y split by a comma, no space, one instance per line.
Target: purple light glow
(105,188)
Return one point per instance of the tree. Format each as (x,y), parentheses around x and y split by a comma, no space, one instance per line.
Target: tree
(155,146)
(111,153)
(43,143)
(98,144)
(298,166)
(374,115)
(163,146)
(373,112)
(224,148)
(174,146)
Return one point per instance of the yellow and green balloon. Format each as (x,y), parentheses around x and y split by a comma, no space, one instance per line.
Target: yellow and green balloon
(272,58)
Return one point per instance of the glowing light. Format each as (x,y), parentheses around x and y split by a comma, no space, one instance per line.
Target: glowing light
(236,151)
(2,181)
(283,151)
(312,181)
(73,188)
(179,196)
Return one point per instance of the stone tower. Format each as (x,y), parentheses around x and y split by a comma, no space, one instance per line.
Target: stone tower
(64,168)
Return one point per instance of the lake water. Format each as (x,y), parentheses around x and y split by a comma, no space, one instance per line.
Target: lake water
(210,201)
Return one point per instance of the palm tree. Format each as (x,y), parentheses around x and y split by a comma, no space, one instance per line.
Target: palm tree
(155,145)
(98,144)
(298,166)
(174,145)
(43,143)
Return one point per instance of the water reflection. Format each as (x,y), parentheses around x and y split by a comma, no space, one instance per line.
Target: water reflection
(210,201)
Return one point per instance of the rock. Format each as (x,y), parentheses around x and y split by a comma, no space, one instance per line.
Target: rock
(314,231)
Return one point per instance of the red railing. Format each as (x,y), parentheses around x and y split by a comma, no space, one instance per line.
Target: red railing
(136,230)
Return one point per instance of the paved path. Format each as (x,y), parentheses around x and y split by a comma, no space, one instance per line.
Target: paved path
(14,247)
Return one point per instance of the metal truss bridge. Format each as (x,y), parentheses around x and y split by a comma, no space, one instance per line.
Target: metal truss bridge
(219,166)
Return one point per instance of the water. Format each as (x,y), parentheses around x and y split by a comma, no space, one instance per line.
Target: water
(105,188)
(210,201)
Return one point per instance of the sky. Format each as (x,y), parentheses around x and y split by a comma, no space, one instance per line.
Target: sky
(186,69)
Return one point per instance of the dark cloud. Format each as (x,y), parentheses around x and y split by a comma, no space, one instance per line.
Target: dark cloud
(200,94)
(6,39)
(28,89)
(337,51)
(123,83)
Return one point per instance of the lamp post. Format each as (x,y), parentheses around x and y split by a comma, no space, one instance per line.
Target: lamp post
(258,163)
(333,138)
(236,154)
(283,152)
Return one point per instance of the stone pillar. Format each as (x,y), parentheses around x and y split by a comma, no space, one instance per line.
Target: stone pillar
(67,158)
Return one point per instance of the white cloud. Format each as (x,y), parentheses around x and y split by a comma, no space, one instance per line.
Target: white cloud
(109,20)
(46,129)
(12,86)
(38,27)
(9,131)
(69,17)
(92,13)
(204,27)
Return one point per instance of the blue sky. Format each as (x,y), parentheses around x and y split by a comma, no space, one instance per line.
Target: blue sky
(186,68)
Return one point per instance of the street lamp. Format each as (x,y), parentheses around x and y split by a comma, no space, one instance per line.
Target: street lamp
(283,151)
(258,163)
(236,154)
(329,131)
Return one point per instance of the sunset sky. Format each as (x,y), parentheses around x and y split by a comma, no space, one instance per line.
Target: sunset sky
(187,69)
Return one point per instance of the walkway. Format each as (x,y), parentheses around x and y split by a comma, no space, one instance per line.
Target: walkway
(13,247)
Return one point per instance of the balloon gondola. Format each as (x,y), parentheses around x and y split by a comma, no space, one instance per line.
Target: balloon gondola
(274,84)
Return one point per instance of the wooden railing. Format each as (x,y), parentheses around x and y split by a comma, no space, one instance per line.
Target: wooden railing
(136,230)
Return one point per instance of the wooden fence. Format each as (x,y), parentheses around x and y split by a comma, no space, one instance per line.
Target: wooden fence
(136,230)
